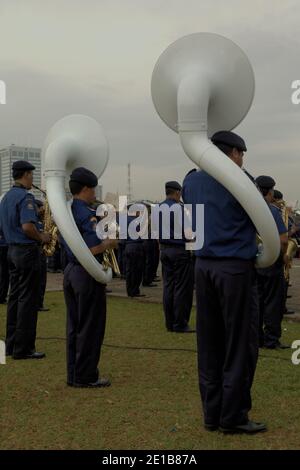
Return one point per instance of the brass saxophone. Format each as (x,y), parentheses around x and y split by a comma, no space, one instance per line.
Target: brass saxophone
(110,260)
(49,226)
(292,243)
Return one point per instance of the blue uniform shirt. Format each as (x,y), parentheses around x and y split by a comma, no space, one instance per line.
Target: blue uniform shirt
(180,223)
(228,230)
(277,266)
(17,207)
(86,221)
(276,212)
(130,240)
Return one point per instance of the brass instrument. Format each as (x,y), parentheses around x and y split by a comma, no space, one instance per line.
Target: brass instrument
(291,251)
(110,260)
(292,243)
(49,226)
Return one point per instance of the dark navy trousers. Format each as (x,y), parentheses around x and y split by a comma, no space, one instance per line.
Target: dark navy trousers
(86,317)
(178,284)
(134,256)
(43,278)
(22,306)
(227,337)
(149,268)
(272,296)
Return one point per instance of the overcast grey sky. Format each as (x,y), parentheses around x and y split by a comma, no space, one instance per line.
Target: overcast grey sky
(96,57)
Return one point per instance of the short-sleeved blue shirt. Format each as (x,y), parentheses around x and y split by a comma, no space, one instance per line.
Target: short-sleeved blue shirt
(278,265)
(86,221)
(17,207)
(179,216)
(228,230)
(276,212)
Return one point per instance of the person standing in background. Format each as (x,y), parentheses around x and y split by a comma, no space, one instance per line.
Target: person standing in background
(18,219)
(177,268)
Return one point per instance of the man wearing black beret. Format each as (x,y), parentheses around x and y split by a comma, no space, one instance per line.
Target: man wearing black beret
(271,283)
(18,219)
(85,297)
(229,140)
(227,313)
(292,231)
(177,269)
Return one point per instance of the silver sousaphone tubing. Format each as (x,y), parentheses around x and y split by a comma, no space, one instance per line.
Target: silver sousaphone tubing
(203,83)
(74,141)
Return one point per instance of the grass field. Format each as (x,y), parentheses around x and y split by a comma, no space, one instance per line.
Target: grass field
(153,402)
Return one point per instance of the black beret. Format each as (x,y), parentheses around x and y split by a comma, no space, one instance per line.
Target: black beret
(173,185)
(277,194)
(229,138)
(85,177)
(265,182)
(23,165)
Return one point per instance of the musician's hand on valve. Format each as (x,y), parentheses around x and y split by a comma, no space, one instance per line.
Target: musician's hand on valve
(108,244)
(112,243)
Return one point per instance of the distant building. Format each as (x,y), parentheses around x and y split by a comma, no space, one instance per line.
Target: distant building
(13,153)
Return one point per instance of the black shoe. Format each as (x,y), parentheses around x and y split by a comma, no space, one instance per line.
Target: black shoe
(289,312)
(70,384)
(108,291)
(35,355)
(149,285)
(211,427)
(289,296)
(249,428)
(100,383)
(44,309)
(187,329)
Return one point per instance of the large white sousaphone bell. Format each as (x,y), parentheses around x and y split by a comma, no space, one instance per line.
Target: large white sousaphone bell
(203,83)
(74,141)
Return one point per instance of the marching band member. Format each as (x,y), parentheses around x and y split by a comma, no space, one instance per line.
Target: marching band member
(18,219)
(85,297)
(271,283)
(227,314)
(177,270)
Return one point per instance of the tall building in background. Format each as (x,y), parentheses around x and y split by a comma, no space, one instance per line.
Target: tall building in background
(13,153)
